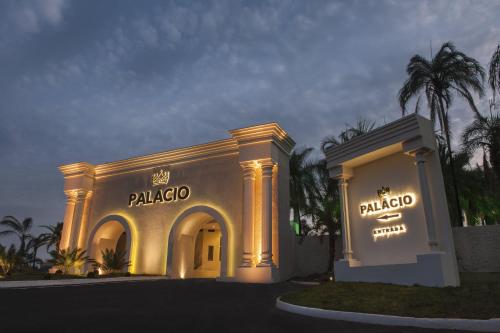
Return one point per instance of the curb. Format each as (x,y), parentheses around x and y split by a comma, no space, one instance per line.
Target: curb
(73,282)
(476,325)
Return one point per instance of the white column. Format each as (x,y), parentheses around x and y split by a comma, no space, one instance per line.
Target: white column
(80,239)
(248,212)
(344,216)
(267,213)
(73,218)
(68,219)
(426,200)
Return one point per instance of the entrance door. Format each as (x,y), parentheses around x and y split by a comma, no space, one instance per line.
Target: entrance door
(197,248)
(207,251)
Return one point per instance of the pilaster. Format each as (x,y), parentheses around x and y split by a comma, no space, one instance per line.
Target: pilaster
(248,212)
(421,160)
(344,216)
(267,212)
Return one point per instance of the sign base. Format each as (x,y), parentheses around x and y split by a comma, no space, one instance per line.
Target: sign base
(406,274)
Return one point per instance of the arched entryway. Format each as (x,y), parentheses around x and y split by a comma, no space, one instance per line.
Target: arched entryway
(112,232)
(198,244)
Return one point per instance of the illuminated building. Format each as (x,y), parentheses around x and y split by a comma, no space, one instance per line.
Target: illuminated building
(395,222)
(219,209)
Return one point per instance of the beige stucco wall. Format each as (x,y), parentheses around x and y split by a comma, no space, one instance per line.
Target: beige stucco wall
(401,177)
(213,182)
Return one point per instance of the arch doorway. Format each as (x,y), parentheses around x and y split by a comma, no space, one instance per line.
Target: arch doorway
(197,245)
(111,233)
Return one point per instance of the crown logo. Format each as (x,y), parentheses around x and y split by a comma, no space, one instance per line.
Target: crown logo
(161,178)
(383,192)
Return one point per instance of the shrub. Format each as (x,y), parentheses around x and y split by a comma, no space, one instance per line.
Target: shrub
(91,275)
(113,262)
(59,272)
(47,276)
(127,274)
(69,260)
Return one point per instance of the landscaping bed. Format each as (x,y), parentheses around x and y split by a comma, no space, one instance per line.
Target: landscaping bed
(477,298)
(33,276)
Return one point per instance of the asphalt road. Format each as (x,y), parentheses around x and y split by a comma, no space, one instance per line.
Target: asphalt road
(162,306)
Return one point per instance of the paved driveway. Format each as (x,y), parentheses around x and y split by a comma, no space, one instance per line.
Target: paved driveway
(162,306)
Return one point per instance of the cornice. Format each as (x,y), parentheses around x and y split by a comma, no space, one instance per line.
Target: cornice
(411,127)
(77,169)
(249,135)
(181,155)
(270,132)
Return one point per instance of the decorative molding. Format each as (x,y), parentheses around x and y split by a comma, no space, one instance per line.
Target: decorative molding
(77,195)
(408,133)
(271,132)
(77,170)
(181,155)
(267,166)
(249,168)
(160,178)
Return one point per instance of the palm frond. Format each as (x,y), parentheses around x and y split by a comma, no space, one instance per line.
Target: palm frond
(328,142)
(494,71)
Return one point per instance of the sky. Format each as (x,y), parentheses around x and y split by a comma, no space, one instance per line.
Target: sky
(99,81)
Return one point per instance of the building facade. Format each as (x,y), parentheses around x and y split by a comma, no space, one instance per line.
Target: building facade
(395,222)
(218,210)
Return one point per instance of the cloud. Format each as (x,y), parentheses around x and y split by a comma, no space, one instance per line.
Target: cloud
(51,10)
(147,33)
(30,16)
(96,81)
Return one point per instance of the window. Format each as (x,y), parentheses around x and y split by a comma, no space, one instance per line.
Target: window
(210,253)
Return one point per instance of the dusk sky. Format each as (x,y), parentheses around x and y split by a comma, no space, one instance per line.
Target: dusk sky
(100,81)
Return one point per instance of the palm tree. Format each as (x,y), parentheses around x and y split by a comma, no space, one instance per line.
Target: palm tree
(34,244)
(113,261)
(324,208)
(448,73)
(53,237)
(476,195)
(362,126)
(9,258)
(300,184)
(68,259)
(18,228)
(484,133)
(494,72)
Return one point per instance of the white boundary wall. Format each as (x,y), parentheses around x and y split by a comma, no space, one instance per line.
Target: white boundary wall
(312,253)
(478,248)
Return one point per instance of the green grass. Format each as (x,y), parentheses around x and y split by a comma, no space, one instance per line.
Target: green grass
(478,297)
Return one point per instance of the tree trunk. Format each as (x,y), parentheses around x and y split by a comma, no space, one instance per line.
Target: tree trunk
(452,166)
(22,246)
(331,251)
(35,250)
(494,153)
